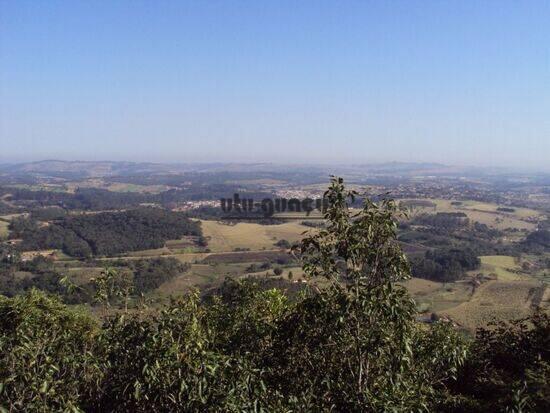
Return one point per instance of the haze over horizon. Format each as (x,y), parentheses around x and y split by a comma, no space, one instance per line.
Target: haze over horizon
(459,84)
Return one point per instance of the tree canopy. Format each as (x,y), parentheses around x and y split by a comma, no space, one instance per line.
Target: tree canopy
(106,233)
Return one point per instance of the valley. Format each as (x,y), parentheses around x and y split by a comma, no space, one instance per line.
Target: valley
(508,280)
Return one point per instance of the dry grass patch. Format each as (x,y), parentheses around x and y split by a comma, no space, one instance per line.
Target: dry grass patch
(505,267)
(482,212)
(4,231)
(201,275)
(421,287)
(143,189)
(227,237)
(496,301)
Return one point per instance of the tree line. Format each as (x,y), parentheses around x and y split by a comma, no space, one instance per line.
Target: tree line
(445,265)
(98,199)
(139,276)
(105,233)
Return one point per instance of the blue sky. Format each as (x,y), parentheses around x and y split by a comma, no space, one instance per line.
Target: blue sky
(455,82)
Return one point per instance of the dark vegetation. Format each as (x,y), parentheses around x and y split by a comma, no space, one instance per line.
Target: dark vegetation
(230,290)
(505,209)
(313,224)
(354,346)
(443,222)
(283,244)
(40,275)
(445,265)
(7,209)
(453,244)
(105,233)
(232,217)
(22,225)
(278,257)
(142,276)
(97,199)
(508,367)
(538,241)
(149,274)
(47,213)
(92,199)
(18,277)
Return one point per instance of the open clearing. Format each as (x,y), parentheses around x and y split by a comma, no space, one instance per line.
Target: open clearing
(143,189)
(419,287)
(9,217)
(505,267)
(439,296)
(496,300)
(41,187)
(227,237)
(82,275)
(483,212)
(200,276)
(4,232)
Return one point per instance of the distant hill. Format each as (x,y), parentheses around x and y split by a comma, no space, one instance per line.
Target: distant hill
(410,168)
(103,169)
(110,168)
(83,168)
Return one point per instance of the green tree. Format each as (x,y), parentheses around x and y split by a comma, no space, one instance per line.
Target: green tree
(48,355)
(350,347)
(113,285)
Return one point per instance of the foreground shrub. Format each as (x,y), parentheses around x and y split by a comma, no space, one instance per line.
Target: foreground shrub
(508,368)
(48,355)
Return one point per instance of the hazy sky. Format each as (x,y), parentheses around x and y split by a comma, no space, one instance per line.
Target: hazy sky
(449,81)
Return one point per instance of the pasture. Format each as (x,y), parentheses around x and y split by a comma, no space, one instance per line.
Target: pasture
(482,212)
(497,300)
(227,237)
(4,231)
(41,187)
(143,189)
(506,268)
(436,297)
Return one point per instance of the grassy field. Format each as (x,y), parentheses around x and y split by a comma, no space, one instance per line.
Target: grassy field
(200,276)
(484,213)
(436,297)
(4,232)
(115,186)
(44,187)
(145,189)
(419,287)
(512,294)
(9,217)
(497,300)
(81,275)
(520,213)
(246,256)
(506,268)
(225,237)
(262,181)
(471,307)
(150,253)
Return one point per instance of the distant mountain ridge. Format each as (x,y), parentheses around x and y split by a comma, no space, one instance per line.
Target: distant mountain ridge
(104,169)
(110,168)
(84,168)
